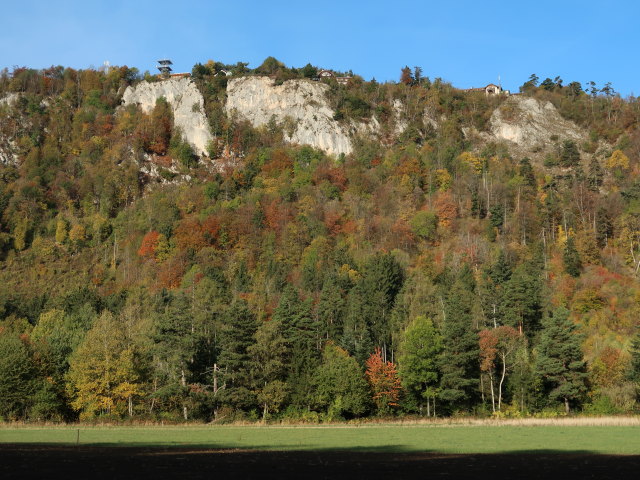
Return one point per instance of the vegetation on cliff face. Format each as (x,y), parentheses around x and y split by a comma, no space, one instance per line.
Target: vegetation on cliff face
(427,272)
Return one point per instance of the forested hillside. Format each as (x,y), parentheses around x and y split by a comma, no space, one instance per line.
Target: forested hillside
(432,271)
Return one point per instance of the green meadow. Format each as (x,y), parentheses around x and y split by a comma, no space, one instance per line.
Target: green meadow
(443,438)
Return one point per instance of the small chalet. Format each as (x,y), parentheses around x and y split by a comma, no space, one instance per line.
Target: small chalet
(491,89)
(326,74)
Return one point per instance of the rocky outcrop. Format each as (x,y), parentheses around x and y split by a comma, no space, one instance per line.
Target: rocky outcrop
(530,123)
(299,104)
(187,104)
(9,99)
(8,155)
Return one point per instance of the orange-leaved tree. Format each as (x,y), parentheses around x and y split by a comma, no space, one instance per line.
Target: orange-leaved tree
(149,244)
(498,345)
(385,383)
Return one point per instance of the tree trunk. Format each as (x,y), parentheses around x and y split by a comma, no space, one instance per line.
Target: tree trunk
(504,374)
(566,405)
(183,382)
(493,397)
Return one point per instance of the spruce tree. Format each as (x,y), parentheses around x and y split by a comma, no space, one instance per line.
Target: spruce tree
(521,304)
(173,349)
(356,336)
(633,373)
(526,171)
(381,283)
(268,368)
(595,175)
(237,336)
(571,258)
(569,154)
(459,362)
(331,310)
(301,336)
(560,362)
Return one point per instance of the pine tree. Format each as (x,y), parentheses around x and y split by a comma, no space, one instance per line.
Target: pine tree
(560,362)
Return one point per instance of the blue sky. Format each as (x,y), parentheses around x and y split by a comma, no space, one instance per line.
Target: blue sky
(464,42)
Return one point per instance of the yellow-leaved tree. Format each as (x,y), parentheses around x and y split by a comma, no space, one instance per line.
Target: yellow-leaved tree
(617,160)
(103,377)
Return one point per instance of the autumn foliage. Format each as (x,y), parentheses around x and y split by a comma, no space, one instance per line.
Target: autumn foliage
(149,244)
(384,380)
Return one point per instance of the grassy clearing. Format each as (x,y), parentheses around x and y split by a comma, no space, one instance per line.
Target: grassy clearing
(503,437)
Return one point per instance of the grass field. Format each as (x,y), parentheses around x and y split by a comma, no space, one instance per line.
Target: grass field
(561,437)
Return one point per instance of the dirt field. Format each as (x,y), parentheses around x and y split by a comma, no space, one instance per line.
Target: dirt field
(47,462)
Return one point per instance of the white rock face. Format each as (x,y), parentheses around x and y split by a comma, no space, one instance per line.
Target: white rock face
(9,99)
(187,104)
(8,154)
(257,99)
(399,117)
(530,123)
(8,148)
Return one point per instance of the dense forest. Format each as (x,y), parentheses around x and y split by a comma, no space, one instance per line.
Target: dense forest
(428,273)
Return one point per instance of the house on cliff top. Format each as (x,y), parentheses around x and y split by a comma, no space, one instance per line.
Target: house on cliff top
(491,89)
(327,74)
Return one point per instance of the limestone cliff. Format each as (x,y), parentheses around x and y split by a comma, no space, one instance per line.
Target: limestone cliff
(187,104)
(531,123)
(8,155)
(258,99)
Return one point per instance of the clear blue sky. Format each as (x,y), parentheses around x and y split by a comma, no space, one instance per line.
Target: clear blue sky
(468,43)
